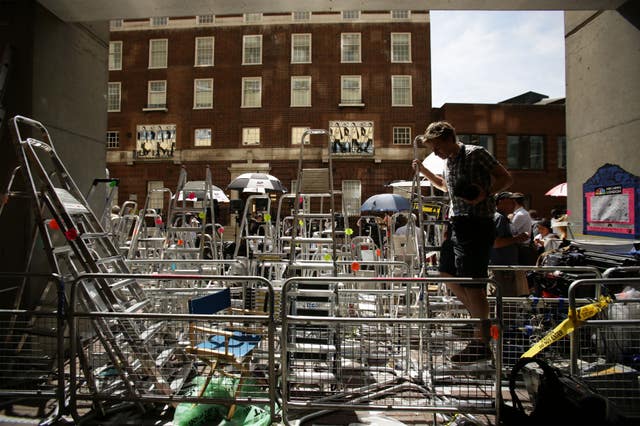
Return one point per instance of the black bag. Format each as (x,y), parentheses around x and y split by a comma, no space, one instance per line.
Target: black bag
(560,400)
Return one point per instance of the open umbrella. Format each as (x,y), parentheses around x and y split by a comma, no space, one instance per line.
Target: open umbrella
(385,203)
(257,183)
(194,191)
(408,183)
(558,190)
(434,163)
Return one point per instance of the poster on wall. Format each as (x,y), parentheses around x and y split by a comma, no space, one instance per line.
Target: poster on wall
(351,137)
(155,141)
(611,203)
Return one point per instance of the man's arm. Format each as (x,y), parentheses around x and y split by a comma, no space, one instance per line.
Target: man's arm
(500,179)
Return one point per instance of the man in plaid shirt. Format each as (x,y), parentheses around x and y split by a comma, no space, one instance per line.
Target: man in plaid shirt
(471,177)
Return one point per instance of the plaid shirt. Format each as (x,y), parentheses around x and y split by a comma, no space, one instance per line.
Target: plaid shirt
(476,167)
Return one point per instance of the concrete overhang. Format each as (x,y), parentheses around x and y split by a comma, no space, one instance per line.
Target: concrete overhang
(103,10)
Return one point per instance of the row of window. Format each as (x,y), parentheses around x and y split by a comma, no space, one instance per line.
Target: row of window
(251,95)
(524,152)
(349,15)
(350,48)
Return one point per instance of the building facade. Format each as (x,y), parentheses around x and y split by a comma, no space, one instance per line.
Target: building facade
(234,93)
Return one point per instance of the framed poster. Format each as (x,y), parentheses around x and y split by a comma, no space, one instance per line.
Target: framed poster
(353,138)
(155,141)
(611,203)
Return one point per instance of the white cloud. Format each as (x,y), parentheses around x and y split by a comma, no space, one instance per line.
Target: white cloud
(486,57)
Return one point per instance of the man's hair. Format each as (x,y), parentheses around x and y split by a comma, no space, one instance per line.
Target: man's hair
(440,129)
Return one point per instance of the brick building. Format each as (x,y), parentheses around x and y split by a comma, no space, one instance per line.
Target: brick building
(235,93)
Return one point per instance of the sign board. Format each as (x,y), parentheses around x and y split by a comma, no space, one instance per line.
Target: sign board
(155,141)
(352,138)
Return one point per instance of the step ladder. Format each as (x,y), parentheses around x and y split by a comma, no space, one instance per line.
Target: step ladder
(102,205)
(255,238)
(313,187)
(134,346)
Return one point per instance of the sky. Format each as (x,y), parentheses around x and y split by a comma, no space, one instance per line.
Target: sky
(487,57)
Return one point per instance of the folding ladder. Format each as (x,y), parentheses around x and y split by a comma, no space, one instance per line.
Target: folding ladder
(134,346)
(103,206)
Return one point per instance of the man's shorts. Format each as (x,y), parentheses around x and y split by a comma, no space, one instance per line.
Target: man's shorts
(467,252)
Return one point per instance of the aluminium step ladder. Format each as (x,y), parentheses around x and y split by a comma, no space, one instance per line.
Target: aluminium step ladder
(134,346)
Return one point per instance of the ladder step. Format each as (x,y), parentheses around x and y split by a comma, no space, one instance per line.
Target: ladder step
(109,259)
(184,229)
(89,235)
(151,331)
(138,306)
(309,240)
(117,285)
(313,215)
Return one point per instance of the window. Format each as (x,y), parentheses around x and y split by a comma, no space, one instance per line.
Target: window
(202,137)
(113,139)
(351,196)
(296,135)
(351,92)
(402,135)
(158,53)
(157,96)
(400,47)
(350,47)
(251,49)
(562,152)
(401,90)
(156,196)
(251,92)
(485,141)
(301,16)
(115,23)
(399,14)
(251,136)
(204,52)
(202,93)
(159,21)
(115,55)
(300,48)
(300,91)
(525,152)
(113,97)
(205,19)
(252,17)
(350,14)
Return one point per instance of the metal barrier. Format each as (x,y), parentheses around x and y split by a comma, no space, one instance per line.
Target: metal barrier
(372,343)
(176,347)
(32,354)
(188,266)
(605,351)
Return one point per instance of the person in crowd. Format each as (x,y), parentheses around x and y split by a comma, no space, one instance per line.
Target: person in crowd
(505,249)
(545,239)
(471,177)
(521,222)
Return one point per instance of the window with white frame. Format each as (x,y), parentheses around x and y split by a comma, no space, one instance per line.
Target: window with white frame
(204,51)
(401,90)
(400,47)
(402,135)
(251,50)
(351,196)
(350,47)
(350,14)
(301,16)
(115,23)
(202,93)
(296,135)
(156,197)
(400,14)
(113,96)
(115,55)
(205,19)
(202,137)
(158,49)
(159,21)
(252,17)
(251,136)
(113,139)
(251,92)
(301,91)
(351,89)
(157,96)
(300,48)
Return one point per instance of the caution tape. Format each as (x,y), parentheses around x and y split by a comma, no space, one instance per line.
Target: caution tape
(568,325)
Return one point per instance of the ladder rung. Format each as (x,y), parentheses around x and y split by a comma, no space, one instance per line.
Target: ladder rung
(151,331)
(313,215)
(309,240)
(137,306)
(121,284)
(108,259)
(89,235)
(184,229)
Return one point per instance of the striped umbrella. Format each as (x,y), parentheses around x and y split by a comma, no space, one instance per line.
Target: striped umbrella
(257,183)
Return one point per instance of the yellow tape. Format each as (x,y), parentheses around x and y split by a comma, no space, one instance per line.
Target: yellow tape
(568,325)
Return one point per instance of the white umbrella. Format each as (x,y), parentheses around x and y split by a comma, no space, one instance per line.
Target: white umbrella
(408,183)
(434,163)
(257,183)
(559,190)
